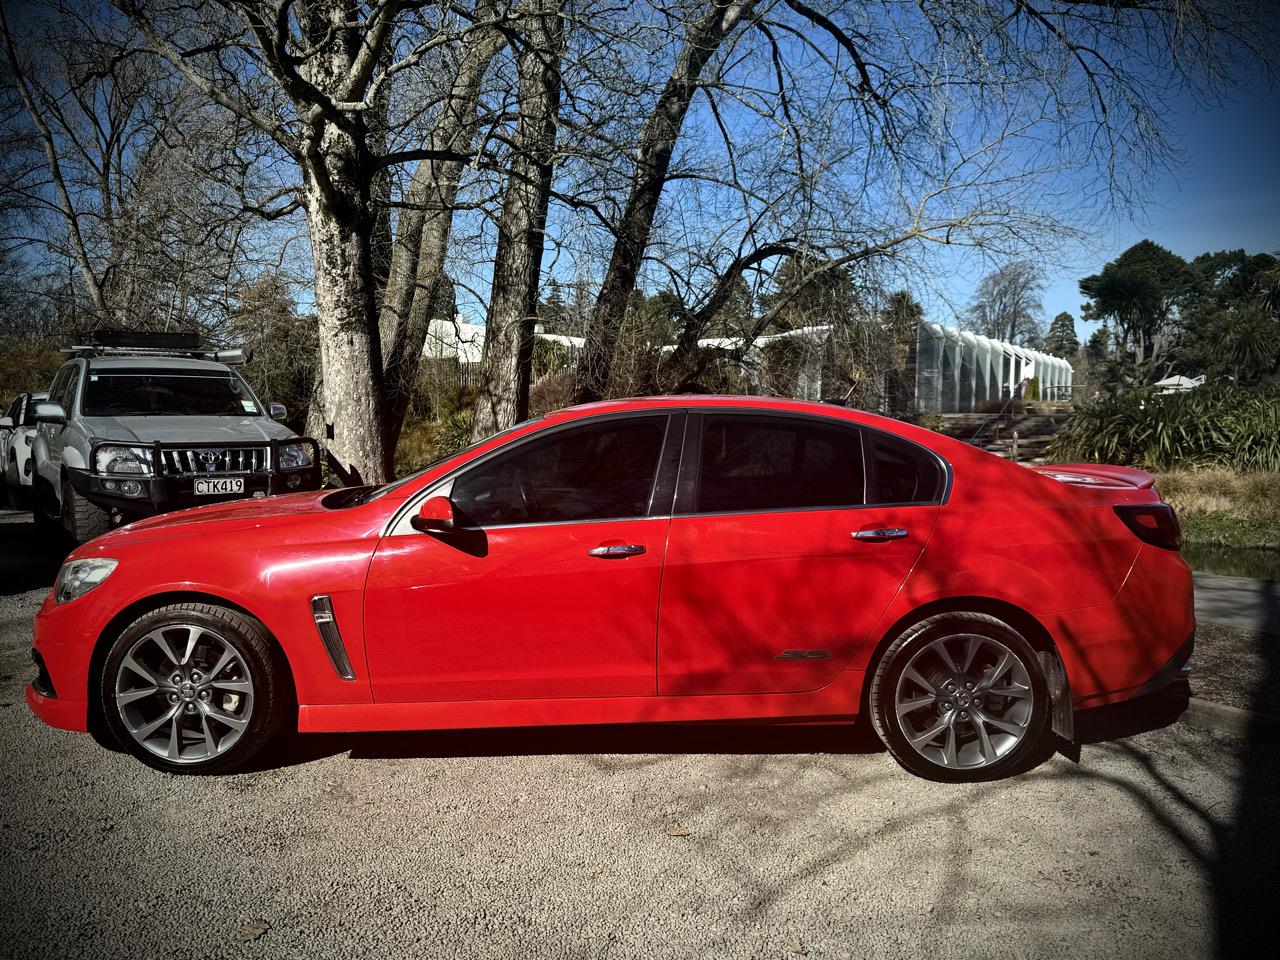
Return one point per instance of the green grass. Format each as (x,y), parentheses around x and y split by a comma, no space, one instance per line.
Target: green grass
(1223,507)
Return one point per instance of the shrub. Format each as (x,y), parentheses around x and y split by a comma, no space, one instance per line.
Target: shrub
(1221,426)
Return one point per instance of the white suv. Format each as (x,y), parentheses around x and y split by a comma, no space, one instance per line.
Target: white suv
(123,436)
(17,430)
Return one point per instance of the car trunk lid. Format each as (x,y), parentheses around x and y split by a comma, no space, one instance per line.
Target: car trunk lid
(1098,475)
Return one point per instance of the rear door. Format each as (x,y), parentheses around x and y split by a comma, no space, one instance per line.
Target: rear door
(792,533)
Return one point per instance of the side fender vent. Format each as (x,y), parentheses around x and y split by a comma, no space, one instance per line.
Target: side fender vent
(322,612)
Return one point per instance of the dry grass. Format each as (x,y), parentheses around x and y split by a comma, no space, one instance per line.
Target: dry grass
(1221,490)
(1225,507)
(417,446)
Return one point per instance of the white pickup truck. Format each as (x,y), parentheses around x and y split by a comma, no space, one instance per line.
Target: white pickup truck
(130,432)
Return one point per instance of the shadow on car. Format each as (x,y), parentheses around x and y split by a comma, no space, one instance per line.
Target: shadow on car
(29,559)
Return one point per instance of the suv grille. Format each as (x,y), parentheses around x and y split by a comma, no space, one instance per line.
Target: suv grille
(202,460)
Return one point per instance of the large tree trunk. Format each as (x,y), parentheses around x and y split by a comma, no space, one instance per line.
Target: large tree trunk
(336,195)
(417,282)
(503,400)
(350,391)
(653,160)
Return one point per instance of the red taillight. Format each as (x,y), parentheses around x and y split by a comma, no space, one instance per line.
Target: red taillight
(1154,523)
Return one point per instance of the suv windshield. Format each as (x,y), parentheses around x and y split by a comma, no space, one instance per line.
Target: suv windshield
(134,392)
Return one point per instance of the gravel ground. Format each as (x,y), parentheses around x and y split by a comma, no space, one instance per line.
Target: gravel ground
(636,842)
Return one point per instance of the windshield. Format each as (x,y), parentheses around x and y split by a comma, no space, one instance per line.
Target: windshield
(373,493)
(138,392)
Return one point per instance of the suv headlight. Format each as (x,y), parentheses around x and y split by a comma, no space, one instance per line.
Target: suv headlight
(78,577)
(294,455)
(129,461)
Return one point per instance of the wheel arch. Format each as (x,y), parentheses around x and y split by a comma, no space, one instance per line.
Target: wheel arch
(1031,629)
(145,605)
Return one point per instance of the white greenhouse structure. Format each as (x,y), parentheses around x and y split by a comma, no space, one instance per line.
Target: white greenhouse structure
(958,371)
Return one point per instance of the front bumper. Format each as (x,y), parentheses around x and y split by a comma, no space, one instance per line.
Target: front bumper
(162,493)
(62,638)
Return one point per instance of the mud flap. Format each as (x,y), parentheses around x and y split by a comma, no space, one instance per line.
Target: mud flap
(1063,718)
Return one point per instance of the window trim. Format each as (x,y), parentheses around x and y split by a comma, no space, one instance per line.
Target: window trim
(690,463)
(660,492)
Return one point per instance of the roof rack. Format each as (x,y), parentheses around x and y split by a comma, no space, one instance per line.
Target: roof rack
(136,343)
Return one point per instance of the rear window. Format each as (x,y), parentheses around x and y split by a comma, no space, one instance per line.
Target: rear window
(161,392)
(901,472)
(767,463)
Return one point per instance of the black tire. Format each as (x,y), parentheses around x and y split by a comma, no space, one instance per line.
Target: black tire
(273,702)
(44,507)
(920,641)
(17,496)
(81,519)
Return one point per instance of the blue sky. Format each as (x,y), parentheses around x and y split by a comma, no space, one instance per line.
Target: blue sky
(1223,196)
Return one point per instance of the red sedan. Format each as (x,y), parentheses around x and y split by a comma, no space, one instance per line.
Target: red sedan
(673,559)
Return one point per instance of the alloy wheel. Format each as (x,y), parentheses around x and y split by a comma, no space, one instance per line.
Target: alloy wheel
(184,693)
(964,701)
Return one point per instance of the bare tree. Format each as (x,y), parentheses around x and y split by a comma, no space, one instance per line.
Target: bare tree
(1006,306)
(508,347)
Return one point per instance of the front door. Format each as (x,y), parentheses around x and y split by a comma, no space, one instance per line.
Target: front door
(550,587)
(777,565)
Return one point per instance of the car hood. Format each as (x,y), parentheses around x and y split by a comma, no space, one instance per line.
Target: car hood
(236,514)
(192,430)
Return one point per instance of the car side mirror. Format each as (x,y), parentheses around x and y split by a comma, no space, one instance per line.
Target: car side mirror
(435,515)
(6,422)
(277,411)
(49,412)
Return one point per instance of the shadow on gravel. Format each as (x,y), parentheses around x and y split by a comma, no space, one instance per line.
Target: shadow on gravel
(28,560)
(1246,871)
(754,738)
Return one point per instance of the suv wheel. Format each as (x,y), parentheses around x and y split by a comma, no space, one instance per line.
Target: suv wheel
(80,518)
(13,486)
(194,688)
(960,697)
(44,509)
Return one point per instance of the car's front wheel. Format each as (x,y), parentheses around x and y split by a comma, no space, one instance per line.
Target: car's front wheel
(960,697)
(194,688)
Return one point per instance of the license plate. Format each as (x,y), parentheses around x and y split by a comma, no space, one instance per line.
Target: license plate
(211,486)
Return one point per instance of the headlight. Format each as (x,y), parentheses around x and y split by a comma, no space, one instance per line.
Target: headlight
(294,455)
(78,577)
(135,461)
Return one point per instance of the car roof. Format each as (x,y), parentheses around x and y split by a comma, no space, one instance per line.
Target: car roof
(736,402)
(152,362)
(701,400)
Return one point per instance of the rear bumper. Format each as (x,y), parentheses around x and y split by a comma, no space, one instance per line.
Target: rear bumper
(1178,668)
(1135,644)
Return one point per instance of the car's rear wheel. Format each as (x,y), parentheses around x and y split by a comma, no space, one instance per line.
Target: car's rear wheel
(81,519)
(960,697)
(195,688)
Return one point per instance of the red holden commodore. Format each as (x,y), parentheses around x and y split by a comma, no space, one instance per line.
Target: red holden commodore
(676,559)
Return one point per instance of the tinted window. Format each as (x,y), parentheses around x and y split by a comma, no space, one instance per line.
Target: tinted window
(766,463)
(59,381)
(69,393)
(903,473)
(124,392)
(596,472)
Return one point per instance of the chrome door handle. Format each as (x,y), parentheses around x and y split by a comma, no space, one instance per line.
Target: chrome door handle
(616,551)
(880,533)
